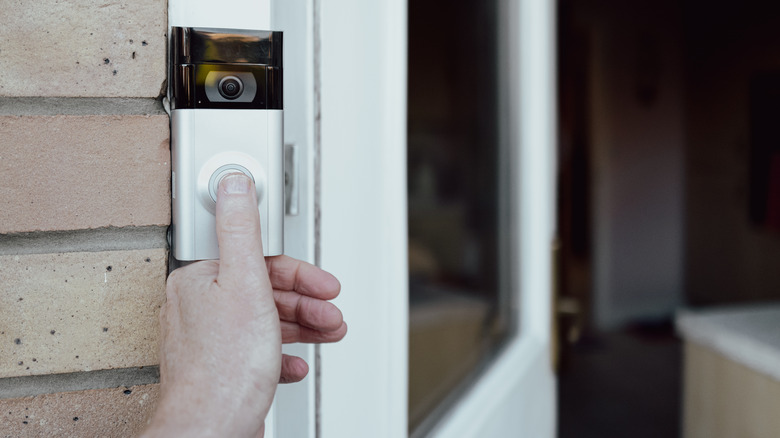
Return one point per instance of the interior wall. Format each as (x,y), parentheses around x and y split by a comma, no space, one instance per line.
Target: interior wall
(637,136)
(728,258)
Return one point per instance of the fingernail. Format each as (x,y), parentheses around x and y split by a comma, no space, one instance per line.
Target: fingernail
(236,183)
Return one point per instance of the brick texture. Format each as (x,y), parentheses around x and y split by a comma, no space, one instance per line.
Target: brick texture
(118,412)
(85,200)
(82,48)
(80,311)
(82,172)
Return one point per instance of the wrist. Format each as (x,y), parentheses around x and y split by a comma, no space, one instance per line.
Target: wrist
(195,415)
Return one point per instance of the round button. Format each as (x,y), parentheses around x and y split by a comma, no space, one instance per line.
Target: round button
(221,165)
(222,172)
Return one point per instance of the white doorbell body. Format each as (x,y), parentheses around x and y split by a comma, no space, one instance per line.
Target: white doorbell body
(226,116)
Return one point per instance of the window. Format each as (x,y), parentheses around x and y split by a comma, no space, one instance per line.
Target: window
(459,303)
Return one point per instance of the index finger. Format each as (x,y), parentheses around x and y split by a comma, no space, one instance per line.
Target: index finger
(287,273)
(238,229)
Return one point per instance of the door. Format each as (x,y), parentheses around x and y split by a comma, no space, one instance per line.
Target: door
(346,67)
(364,227)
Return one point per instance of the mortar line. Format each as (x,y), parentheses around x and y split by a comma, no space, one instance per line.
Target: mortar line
(30,386)
(94,240)
(80,106)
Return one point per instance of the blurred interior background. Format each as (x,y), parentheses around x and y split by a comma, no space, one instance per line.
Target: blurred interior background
(669,194)
(669,197)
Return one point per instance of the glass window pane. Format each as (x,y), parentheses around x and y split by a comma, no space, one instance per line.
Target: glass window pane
(459,309)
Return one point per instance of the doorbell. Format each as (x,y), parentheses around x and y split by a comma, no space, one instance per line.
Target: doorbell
(225,93)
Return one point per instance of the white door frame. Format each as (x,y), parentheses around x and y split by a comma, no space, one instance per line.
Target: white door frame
(363,232)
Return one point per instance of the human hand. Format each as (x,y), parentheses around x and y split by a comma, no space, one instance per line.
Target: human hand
(220,350)
(301,291)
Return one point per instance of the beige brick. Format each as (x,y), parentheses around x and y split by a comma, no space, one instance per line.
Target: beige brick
(87,48)
(84,311)
(116,412)
(82,172)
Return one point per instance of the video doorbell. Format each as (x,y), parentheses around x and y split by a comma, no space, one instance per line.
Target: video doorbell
(225,94)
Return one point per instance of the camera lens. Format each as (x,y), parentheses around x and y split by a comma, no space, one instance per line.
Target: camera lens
(230,87)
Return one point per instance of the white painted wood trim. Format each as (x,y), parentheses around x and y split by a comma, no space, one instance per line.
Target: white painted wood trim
(363,215)
(231,14)
(295,405)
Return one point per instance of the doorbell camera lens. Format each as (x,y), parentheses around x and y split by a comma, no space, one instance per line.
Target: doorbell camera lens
(230,87)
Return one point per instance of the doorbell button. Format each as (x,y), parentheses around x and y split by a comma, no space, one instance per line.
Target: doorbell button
(221,173)
(223,164)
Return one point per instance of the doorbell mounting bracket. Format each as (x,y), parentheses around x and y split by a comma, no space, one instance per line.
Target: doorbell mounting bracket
(225,93)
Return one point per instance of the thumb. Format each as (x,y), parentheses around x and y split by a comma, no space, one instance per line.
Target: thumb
(238,229)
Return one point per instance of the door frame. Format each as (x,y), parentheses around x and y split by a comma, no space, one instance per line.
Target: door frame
(362,204)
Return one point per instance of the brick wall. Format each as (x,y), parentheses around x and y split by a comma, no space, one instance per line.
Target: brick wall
(85,205)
